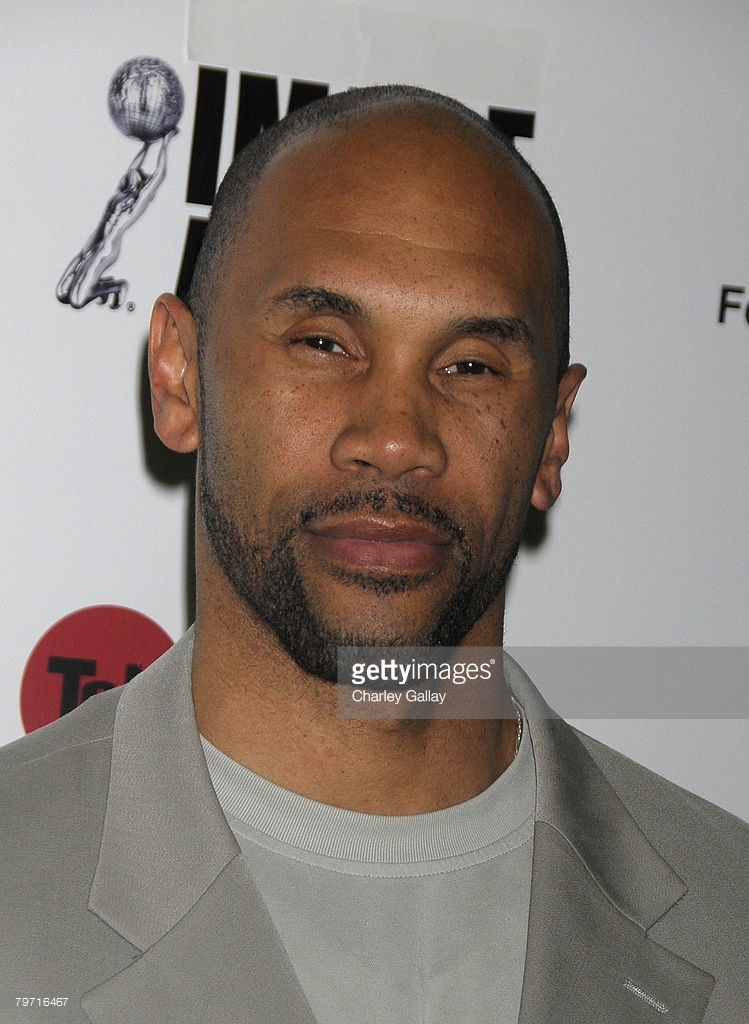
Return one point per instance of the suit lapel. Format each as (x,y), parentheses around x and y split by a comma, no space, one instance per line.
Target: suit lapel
(170,878)
(222,961)
(598,886)
(587,962)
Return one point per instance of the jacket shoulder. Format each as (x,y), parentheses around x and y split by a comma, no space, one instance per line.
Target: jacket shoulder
(666,810)
(91,722)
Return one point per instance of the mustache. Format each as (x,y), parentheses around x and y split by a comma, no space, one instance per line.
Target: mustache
(382,499)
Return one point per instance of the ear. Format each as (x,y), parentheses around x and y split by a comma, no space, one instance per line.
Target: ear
(173,369)
(548,483)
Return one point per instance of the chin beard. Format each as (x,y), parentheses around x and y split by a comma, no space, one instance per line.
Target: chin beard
(269,581)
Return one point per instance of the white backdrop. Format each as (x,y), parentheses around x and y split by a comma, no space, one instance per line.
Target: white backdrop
(641,133)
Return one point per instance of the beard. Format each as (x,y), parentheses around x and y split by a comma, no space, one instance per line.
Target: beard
(269,582)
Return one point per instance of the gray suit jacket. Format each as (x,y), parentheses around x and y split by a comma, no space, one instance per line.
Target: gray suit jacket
(124,889)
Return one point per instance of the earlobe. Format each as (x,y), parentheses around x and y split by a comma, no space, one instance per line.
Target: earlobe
(548,484)
(173,370)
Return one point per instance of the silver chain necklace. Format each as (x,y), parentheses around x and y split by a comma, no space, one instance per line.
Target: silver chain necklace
(518,724)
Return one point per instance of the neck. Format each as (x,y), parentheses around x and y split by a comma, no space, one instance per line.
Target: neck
(257,705)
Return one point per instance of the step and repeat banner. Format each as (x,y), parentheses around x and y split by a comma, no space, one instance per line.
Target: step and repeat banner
(116,130)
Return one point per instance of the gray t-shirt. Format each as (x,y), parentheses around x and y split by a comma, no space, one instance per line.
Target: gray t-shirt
(419,919)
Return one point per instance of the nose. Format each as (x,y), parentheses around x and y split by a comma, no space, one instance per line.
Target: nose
(391,429)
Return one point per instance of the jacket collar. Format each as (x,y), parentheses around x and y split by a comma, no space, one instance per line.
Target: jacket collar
(598,886)
(170,879)
(159,781)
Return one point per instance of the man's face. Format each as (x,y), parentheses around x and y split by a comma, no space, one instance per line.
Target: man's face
(377,389)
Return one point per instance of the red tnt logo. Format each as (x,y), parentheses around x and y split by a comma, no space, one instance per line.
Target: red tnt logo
(85,653)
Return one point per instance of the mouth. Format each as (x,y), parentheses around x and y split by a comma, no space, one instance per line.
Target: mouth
(380,544)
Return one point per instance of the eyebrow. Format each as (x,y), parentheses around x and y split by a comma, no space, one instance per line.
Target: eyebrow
(311,298)
(497,328)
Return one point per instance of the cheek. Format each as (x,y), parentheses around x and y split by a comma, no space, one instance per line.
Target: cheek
(495,458)
(268,443)
(492,439)
(295,426)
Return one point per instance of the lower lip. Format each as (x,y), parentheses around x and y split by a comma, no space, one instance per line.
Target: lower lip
(402,557)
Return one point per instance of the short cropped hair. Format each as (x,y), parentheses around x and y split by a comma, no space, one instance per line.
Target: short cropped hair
(242,178)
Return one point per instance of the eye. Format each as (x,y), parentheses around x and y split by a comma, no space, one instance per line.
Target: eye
(470,368)
(319,343)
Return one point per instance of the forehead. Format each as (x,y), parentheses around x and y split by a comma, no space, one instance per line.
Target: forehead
(397,154)
(408,190)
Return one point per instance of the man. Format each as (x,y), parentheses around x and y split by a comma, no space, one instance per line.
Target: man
(374,371)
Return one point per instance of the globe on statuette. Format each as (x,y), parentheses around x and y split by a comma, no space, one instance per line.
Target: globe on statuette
(145,98)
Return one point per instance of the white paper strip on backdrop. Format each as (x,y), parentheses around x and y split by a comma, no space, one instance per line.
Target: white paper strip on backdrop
(363,46)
